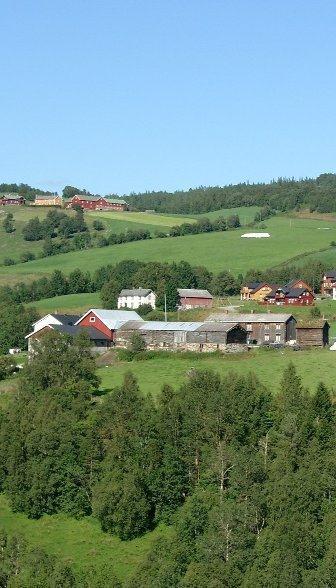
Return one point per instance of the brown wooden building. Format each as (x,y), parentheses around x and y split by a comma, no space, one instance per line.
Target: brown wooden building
(312,333)
(262,328)
(192,298)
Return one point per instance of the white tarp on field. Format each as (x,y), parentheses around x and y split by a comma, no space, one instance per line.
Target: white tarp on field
(256,235)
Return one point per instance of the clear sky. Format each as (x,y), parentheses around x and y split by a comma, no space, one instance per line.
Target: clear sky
(134,95)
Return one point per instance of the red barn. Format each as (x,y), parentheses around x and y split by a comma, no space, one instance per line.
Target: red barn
(191,298)
(107,321)
(98,203)
(14,199)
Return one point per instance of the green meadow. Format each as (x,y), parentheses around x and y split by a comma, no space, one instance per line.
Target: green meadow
(68,303)
(268,364)
(79,543)
(217,251)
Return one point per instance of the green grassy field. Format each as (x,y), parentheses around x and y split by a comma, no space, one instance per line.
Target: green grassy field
(245,213)
(312,365)
(217,251)
(143,218)
(80,543)
(69,303)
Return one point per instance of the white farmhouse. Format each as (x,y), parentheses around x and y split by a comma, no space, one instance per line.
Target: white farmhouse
(135,298)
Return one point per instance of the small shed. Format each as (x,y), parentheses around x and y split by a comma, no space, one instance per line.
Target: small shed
(312,333)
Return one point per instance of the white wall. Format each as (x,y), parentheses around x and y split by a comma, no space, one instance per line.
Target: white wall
(136,301)
(45,321)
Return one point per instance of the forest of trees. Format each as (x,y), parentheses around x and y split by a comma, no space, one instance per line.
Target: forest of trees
(284,194)
(245,480)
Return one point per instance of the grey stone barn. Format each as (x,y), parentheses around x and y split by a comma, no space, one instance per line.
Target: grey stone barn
(262,328)
(184,336)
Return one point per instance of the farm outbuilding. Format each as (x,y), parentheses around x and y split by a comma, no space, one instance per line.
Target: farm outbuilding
(262,328)
(193,298)
(184,336)
(312,333)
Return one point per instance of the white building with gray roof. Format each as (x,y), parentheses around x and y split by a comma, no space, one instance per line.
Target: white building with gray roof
(133,298)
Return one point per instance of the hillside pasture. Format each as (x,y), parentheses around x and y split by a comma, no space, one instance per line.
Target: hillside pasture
(68,303)
(313,365)
(79,543)
(217,251)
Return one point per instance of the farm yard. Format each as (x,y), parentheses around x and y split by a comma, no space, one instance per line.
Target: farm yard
(289,239)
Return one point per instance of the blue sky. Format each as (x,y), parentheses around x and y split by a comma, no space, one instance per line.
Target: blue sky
(120,96)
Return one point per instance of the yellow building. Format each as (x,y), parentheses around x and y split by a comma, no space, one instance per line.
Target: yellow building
(48,200)
(255,291)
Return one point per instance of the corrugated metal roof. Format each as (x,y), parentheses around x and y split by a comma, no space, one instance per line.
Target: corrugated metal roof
(171,326)
(93,333)
(193,293)
(217,327)
(113,319)
(131,325)
(267,317)
(136,292)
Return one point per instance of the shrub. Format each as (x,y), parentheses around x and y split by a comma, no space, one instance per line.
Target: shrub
(98,225)
(27,256)
(8,261)
(125,355)
(144,309)
(137,344)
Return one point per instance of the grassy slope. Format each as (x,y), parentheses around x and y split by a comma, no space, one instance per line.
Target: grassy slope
(79,542)
(215,250)
(313,365)
(71,302)
(246,213)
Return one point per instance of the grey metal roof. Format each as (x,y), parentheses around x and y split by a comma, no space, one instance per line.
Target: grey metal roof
(193,293)
(131,325)
(72,330)
(136,292)
(113,319)
(171,326)
(217,327)
(66,319)
(266,317)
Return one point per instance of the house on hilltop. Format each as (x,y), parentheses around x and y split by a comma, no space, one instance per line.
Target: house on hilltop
(48,200)
(97,202)
(328,287)
(255,291)
(286,295)
(12,199)
(133,298)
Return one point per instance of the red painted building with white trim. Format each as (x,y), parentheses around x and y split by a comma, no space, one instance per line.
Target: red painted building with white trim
(98,203)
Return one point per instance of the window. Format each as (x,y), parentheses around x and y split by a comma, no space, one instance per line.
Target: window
(92,319)
(267,337)
(266,327)
(278,327)
(249,327)
(278,338)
